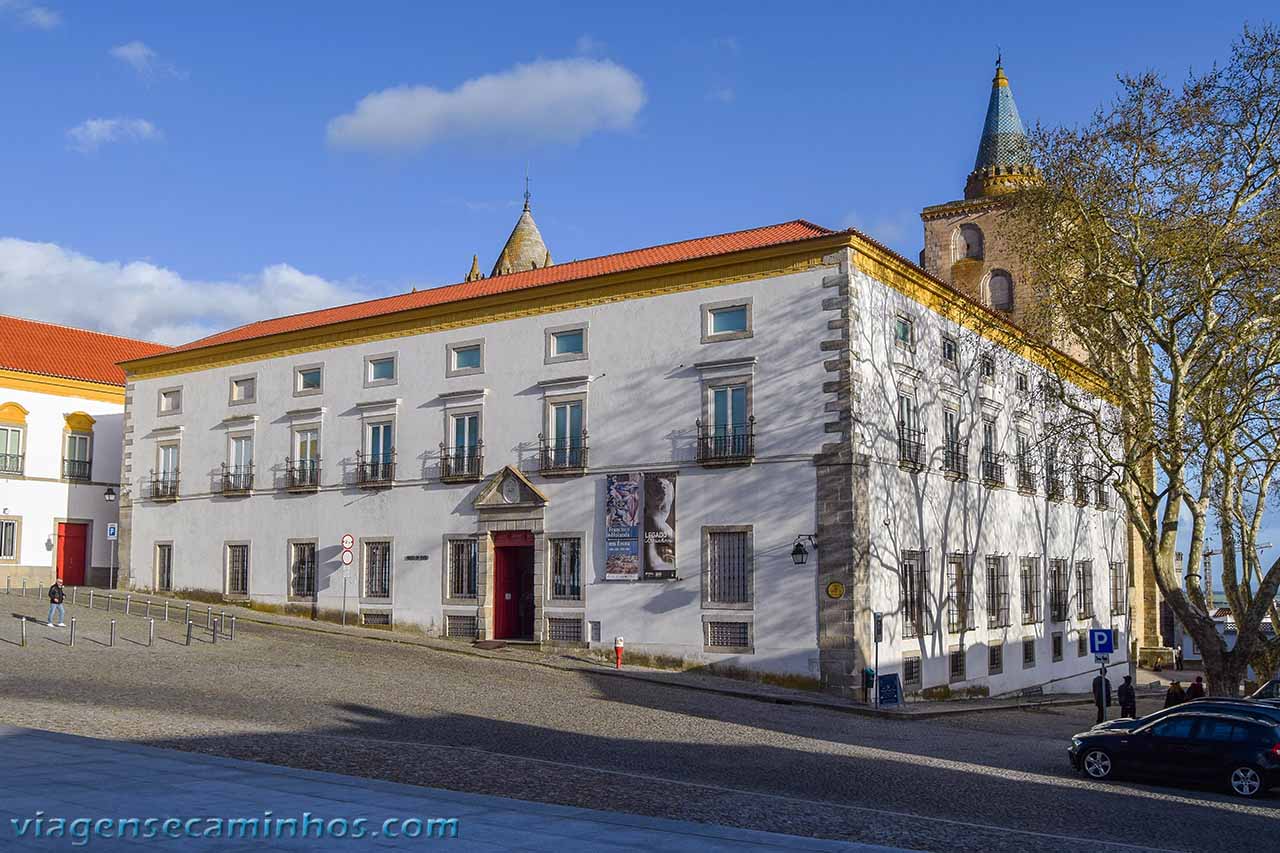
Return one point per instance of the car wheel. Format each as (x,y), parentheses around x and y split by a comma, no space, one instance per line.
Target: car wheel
(1246,781)
(1097,764)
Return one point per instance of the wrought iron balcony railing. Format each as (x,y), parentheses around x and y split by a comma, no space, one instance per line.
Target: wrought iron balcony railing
(1101,494)
(237,479)
(732,444)
(910,447)
(563,456)
(1026,478)
(301,475)
(11,463)
(76,469)
(955,458)
(164,485)
(377,470)
(462,464)
(992,469)
(1053,488)
(1081,491)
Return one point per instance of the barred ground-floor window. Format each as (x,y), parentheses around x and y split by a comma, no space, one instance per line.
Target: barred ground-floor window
(727,567)
(377,569)
(164,566)
(915,588)
(566,569)
(238,569)
(302,570)
(463,555)
(911,672)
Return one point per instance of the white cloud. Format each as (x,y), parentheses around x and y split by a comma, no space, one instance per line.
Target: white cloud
(32,15)
(93,133)
(560,100)
(139,299)
(144,60)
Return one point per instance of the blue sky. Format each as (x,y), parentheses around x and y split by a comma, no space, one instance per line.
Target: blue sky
(169,169)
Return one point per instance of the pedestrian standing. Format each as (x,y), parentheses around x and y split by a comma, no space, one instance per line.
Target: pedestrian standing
(1174,695)
(56,596)
(1128,698)
(1177,658)
(1196,690)
(1101,695)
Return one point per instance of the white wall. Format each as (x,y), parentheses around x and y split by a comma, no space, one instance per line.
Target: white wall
(925,511)
(642,404)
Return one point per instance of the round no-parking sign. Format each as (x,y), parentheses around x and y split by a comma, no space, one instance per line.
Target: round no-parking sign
(347,541)
(347,558)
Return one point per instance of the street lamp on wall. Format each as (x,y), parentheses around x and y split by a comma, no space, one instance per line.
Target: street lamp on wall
(799,553)
(109,495)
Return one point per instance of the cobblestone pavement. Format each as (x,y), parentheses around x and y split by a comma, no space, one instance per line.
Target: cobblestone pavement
(997,781)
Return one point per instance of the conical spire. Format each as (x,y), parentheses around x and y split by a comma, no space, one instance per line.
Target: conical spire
(1004,160)
(525,249)
(475,274)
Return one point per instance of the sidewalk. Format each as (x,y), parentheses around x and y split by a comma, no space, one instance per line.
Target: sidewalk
(578,660)
(71,777)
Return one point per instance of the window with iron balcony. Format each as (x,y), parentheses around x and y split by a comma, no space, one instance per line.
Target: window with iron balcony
(237,479)
(302,474)
(375,469)
(1052,479)
(727,444)
(461,464)
(164,485)
(910,447)
(1081,483)
(564,451)
(1026,476)
(955,458)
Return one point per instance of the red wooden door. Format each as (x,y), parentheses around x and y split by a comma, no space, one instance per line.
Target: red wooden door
(506,593)
(72,542)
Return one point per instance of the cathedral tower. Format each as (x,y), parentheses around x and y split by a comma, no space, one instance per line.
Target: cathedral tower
(963,240)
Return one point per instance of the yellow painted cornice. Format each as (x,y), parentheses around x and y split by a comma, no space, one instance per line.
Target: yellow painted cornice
(61,387)
(915,283)
(79,422)
(13,413)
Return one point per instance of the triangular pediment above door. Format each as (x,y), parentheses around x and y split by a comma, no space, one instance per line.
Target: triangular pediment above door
(509,488)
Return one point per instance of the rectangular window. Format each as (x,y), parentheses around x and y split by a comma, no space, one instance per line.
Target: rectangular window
(1057,646)
(1082,645)
(726,320)
(463,454)
(462,568)
(728,635)
(730,436)
(171,401)
(466,358)
(727,579)
(1021,382)
(566,569)
(76,464)
(238,569)
(10,450)
(995,659)
(950,351)
(164,567)
(304,467)
(987,368)
(377,570)
(566,343)
(566,435)
(915,589)
(167,477)
(239,472)
(1084,589)
(911,675)
(997,592)
(955,664)
(988,440)
(1118,587)
(1029,575)
(1058,590)
(8,539)
(904,332)
(244,390)
(959,593)
(306,444)
(302,571)
(381,370)
(1028,653)
(380,443)
(309,380)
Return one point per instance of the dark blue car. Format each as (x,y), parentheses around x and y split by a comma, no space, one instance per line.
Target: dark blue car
(1224,749)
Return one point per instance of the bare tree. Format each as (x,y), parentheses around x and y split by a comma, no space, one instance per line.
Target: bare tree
(1154,239)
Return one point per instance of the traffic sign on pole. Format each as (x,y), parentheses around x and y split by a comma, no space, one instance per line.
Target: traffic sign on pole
(1102,641)
(347,541)
(113,531)
(347,558)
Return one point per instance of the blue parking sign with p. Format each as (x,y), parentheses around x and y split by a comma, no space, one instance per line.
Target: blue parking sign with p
(1102,641)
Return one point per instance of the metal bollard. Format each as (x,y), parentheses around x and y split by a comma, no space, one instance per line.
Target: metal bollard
(222,621)
(188,616)
(72,640)
(232,635)
(8,586)
(146,613)
(74,590)
(208,618)
(166,611)
(215,632)
(24,587)
(188,632)
(113,633)
(90,598)
(151,632)
(128,600)
(108,602)
(24,631)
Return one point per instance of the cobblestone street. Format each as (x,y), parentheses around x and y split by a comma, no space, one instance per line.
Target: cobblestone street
(983,782)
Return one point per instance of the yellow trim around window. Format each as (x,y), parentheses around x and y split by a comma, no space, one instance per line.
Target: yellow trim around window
(13,413)
(79,422)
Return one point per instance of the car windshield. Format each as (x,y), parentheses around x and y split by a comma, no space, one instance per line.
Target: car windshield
(1270,690)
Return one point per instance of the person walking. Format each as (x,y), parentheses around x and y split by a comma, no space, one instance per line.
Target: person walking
(56,596)
(1101,695)
(1128,698)
(1174,695)
(1196,689)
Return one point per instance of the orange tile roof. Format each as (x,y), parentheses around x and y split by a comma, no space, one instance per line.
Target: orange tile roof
(30,346)
(770,235)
